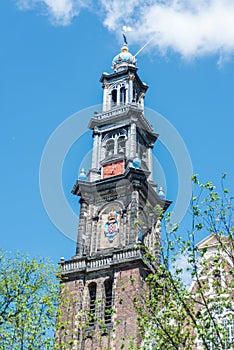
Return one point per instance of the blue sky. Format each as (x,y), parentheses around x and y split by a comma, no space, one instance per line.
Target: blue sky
(52,54)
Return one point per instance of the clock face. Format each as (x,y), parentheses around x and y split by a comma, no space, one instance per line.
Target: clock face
(113,169)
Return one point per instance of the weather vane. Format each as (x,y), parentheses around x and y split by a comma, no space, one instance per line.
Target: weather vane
(125,30)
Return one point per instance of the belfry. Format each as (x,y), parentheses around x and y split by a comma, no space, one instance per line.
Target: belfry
(116,225)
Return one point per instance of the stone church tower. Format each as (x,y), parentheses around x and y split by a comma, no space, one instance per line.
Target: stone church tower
(117,198)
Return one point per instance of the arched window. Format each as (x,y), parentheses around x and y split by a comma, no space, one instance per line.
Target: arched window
(110,144)
(114,96)
(122,95)
(121,144)
(92,303)
(108,301)
(114,142)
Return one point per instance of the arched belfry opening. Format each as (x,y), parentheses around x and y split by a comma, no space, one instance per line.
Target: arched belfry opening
(110,147)
(92,303)
(114,97)
(122,144)
(122,94)
(108,301)
(115,194)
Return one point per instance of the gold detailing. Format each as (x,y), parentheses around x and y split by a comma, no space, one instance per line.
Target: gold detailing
(124,48)
(131,77)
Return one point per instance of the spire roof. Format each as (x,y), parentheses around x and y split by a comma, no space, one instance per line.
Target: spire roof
(124,58)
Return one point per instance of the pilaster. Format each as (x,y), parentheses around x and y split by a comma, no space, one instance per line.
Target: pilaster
(150,162)
(133,140)
(131,78)
(105,98)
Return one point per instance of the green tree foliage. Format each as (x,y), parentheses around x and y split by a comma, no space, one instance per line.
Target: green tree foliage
(29,290)
(171,314)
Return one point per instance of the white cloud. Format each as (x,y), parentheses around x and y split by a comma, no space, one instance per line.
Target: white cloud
(118,13)
(60,12)
(191,28)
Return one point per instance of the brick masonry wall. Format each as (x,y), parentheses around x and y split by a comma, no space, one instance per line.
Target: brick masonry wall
(128,281)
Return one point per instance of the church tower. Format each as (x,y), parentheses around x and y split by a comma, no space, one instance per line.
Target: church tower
(116,224)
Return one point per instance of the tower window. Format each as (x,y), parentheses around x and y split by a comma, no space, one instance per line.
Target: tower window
(110,145)
(114,142)
(108,301)
(122,95)
(92,303)
(114,96)
(121,144)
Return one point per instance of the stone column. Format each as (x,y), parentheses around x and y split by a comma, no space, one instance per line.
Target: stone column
(134,215)
(100,296)
(131,78)
(88,230)
(127,93)
(157,240)
(82,227)
(133,140)
(118,95)
(95,151)
(102,151)
(150,162)
(94,235)
(116,145)
(99,150)
(105,97)
(142,100)
(109,100)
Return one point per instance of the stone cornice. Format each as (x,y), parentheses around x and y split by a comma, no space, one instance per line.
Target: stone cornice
(104,260)
(106,78)
(124,115)
(98,191)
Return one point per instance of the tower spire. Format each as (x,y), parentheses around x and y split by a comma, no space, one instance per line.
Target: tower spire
(117,200)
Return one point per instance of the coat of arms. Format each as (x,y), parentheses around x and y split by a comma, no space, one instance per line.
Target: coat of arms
(111,227)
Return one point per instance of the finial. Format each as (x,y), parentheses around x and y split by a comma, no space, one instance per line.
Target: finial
(82,175)
(161,192)
(136,162)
